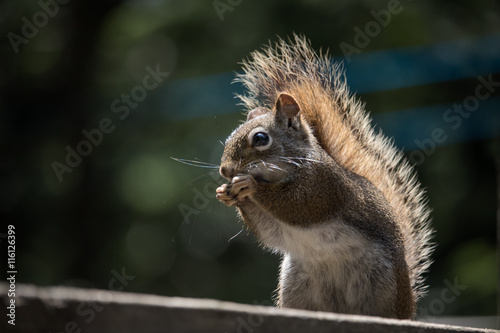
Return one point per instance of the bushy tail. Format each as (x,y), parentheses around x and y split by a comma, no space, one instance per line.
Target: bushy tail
(342,127)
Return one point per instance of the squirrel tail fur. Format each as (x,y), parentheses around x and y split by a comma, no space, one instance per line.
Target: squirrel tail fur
(343,128)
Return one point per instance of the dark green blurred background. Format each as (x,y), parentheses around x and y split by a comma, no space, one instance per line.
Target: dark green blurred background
(121,207)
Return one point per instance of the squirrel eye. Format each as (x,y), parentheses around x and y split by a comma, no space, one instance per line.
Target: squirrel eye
(260,139)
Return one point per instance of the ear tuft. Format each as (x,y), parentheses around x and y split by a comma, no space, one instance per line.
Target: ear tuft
(258,111)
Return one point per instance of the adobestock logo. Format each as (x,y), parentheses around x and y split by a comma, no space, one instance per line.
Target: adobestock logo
(29,30)
(222,6)
(95,136)
(371,30)
(454,118)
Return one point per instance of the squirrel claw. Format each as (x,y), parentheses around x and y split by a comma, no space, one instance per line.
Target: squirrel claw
(224,196)
(240,188)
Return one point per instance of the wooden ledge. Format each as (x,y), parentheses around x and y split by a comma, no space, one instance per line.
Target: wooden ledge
(73,310)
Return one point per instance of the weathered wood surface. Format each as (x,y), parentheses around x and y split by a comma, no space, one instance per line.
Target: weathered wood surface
(62,309)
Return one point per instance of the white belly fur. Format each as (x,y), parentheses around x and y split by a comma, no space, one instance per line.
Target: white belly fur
(329,267)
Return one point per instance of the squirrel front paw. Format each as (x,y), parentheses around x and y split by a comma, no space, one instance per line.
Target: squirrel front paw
(237,191)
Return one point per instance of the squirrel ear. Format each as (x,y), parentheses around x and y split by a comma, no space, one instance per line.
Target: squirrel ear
(258,111)
(287,107)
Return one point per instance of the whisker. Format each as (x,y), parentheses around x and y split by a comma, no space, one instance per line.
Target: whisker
(274,167)
(198,164)
(309,159)
(239,232)
(206,175)
(268,165)
(289,160)
(299,159)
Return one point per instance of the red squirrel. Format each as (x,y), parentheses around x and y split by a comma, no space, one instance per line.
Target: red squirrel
(314,182)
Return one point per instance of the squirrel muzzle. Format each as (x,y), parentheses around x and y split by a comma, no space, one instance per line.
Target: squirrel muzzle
(227,171)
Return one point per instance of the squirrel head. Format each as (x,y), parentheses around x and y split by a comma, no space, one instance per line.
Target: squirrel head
(268,144)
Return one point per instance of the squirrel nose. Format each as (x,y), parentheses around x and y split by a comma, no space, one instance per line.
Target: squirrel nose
(227,171)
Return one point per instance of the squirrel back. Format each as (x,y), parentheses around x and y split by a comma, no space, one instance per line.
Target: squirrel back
(343,129)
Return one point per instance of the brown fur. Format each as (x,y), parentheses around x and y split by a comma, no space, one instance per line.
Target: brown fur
(313,181)
(342,127)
